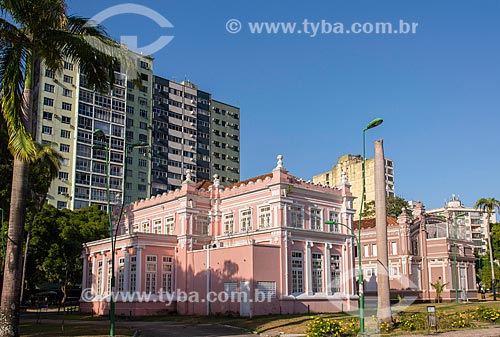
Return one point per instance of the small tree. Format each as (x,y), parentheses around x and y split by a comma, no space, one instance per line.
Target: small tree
(439,287)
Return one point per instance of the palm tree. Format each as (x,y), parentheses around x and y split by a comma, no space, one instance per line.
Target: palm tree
(45,169)
(33,32)
(489,205)
(439,287)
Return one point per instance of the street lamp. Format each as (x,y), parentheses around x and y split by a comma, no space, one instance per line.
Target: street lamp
(98,133)
(374,123)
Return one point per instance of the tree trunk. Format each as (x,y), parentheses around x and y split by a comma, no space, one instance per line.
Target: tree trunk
(491,257)
(9,310)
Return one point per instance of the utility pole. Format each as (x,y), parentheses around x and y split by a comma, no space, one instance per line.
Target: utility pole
(384,297)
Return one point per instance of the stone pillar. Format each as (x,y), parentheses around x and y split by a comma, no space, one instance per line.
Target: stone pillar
(308,268)
(104,276)
(383,292)
(327,277)
(85,274)
(126,269)
(138,277)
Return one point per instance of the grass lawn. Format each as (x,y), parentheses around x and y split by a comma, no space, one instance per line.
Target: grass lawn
(261,324)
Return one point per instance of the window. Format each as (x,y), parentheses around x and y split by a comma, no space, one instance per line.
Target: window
(169,225)
(68,79)
(334,216)
(202,225)
(228,223)
(150,274)
(68,66)
(62,190)
(394,248)
(62,204)
(133,273)
(99,277)
(66,120)
(296,217)
(231,288)
(264,217)
(67,92)
(157,226)
(49,74)
(246,220)
(317,272)
(335,279)
(47,115)
(65,134)
(90,275)
(145,227)
(143,113)
(121,273)
(64,147)
(166,274)
(48,87)
(143,125)
(48,101)
(393,271)
(297,272)
(374,250)
(265,289)
(366,251)
(63,175)
(46,130)
(143,162)
(316,219)
(66,106)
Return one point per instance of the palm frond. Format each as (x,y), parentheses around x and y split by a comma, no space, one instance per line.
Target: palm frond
(13,59)
(51,157)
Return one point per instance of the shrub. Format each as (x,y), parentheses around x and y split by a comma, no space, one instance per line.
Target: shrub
(410,321)
(487,315)
(322,327)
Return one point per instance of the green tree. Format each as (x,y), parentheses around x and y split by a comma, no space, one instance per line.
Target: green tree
(41,174)
(489,205)
(484,272)
(58,236)
(33,32)
(394,206)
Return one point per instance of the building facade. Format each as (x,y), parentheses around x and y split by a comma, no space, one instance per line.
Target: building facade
(261,238)
(472,220)
(423,249)
(68,112)
(350,167)
(192,132)
(170,122)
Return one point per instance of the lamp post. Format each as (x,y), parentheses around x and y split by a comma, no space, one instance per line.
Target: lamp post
(114,233)
(98,133)
(374,123)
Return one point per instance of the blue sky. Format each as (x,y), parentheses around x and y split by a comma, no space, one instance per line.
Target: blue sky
(307,98)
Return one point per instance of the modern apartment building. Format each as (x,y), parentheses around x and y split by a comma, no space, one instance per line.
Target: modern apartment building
(68,114)
(469,220)
(192,132)
(350,168)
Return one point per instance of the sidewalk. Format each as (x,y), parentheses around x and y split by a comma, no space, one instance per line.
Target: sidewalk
(488,332)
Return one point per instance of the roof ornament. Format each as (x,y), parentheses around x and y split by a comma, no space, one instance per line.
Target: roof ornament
(188,176)
(216,180)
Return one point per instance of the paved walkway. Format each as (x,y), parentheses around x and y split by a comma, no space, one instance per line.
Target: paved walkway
(489,332)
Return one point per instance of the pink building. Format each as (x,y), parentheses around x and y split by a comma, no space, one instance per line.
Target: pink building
(255,247)
(423,249)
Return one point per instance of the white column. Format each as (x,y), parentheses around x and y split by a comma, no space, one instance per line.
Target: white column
(308,269)
(138,258)
(126,270)
(94,268)
(104,276)
(327,280)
